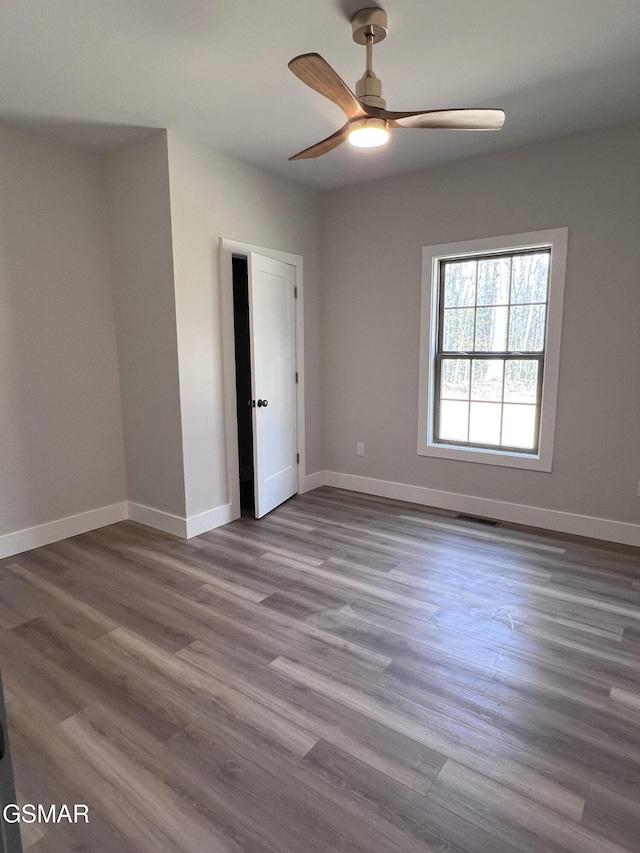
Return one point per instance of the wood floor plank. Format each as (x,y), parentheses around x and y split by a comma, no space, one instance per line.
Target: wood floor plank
(613,816)
(412,764)
(478,533)
(507,770)
(276,630)
(98,676)
(38,683)
(419,817)
(542,621)
(281,797)
(52,771)
(513,817)
(625,697)
(390,618)
(287,734)
(149,799)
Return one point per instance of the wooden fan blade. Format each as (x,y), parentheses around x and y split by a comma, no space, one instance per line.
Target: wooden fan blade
(474,119)
(316,72)
(325,146)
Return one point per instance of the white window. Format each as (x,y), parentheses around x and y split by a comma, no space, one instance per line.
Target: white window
(489,349)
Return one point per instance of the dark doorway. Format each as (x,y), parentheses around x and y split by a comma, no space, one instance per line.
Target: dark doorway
(243,381)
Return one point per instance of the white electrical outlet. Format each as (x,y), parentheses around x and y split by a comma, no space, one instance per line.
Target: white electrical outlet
(360,449)
(638,492)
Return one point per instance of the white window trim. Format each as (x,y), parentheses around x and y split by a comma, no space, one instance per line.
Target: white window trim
(556,240)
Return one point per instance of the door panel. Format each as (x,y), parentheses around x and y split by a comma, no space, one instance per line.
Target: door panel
(273,363)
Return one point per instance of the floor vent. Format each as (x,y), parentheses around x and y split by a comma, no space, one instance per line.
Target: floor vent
(476,519)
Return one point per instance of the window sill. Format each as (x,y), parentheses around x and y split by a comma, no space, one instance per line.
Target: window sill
(524,461)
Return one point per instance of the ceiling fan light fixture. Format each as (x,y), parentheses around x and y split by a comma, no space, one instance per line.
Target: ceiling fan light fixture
(368,132)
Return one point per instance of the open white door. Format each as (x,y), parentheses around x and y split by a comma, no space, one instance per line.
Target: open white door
(273,365)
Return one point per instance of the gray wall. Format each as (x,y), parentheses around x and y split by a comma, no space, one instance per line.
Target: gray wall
(61,450)
(371,248)
(214,195)
(137,192)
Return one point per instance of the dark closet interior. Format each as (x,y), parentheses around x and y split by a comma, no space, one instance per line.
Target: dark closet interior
(243,381)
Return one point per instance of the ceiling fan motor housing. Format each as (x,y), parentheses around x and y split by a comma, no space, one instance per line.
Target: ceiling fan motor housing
(369,91)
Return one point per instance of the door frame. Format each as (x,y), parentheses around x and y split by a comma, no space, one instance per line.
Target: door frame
(229,248)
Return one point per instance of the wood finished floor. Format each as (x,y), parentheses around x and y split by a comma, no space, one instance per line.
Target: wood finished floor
(348,675)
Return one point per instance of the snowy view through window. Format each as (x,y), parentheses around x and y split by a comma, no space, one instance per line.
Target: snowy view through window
(490,353)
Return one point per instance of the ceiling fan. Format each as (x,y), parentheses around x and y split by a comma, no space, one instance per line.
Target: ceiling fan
(368,120)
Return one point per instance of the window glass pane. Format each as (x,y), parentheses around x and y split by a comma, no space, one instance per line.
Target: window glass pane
(454,419)
(484,426)
(526,328)
(521,381)
(519,426)
(460,284)
(458,329)
(530,277)
(454,379)
(486,379)
(493,281)
(491,329)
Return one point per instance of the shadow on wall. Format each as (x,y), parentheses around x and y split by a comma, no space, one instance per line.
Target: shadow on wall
(350,7)
(96,136)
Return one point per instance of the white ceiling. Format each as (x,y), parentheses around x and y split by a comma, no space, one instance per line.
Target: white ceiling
(96,71)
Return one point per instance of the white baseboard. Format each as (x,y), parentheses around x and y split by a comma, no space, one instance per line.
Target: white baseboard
(197,524)
(314,481)
(532,516)
(185,528)
(165,521)
(62,528)
(178,525)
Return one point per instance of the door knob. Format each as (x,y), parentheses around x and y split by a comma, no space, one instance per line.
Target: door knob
(252,403)
(263,403)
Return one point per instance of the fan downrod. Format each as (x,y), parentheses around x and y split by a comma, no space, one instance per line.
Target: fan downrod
(369,26)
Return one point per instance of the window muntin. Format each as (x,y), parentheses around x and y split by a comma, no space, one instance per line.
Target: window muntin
(489,356)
